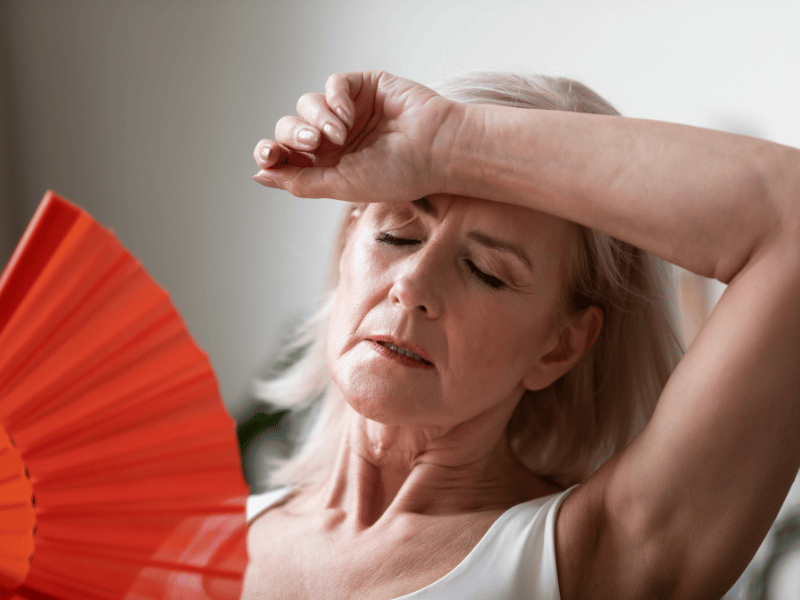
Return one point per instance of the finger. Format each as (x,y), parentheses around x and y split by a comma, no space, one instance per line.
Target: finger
(297,134)
(301,182)
(314,109)
(268,153)
(340,89)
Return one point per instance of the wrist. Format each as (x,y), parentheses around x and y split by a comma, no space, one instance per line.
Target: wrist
(448,147)
(465,159)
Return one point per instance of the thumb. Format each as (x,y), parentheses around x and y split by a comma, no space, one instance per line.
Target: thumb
(303,182)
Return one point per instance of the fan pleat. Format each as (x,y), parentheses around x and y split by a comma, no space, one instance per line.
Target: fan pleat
(116,417)
(122,409)
(81,358)
(66,577)
(209,550)
(17,517)
(103,398)
(136,465)
(52,221)
(57,296)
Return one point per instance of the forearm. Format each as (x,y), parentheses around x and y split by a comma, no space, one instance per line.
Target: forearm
(703,199)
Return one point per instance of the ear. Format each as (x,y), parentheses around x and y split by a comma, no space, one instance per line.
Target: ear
(573,341)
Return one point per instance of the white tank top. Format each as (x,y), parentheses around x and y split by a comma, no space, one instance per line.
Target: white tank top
(514,560)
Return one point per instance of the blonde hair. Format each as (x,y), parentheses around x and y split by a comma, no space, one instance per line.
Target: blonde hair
(568,430)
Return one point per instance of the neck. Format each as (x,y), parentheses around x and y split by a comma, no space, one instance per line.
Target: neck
(384,469)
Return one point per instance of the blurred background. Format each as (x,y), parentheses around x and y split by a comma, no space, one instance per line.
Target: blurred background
(146,114)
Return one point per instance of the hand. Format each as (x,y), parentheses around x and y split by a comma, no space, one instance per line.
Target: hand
(371,137)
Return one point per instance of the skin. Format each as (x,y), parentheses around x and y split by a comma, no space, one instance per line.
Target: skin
(430,441)
(489,339)
(681,510)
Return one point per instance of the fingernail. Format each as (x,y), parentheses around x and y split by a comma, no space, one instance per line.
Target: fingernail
(265,152)
(333,134)
(259,178)
(307,136)
(344,116)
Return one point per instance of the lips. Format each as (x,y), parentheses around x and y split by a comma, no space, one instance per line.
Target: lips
(402,350)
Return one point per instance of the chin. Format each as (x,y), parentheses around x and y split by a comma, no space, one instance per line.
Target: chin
(378,408)
(379,395)
(374,412)
(382,407)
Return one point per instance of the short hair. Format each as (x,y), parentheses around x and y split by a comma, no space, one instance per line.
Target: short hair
(568,430)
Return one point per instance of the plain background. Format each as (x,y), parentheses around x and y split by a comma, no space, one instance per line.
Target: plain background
(146,114)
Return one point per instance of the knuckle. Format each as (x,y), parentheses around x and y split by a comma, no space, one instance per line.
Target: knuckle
(304,101)
(336,84)
(283,127)
(312,107)
(257,153)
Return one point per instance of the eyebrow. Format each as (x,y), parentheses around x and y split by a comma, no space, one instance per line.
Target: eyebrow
(424,205)
(496,244)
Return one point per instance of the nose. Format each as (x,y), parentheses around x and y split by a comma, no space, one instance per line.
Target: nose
(418,285)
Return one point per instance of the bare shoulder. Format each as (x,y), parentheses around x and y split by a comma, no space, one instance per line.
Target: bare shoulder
(272,516)
(275,557)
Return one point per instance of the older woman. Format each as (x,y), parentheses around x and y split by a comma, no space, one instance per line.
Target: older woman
(495,338)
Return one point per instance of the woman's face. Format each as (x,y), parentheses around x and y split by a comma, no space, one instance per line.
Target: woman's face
(468,288)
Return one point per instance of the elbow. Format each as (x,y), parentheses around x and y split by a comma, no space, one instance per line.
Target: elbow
(768,192)
(779,170)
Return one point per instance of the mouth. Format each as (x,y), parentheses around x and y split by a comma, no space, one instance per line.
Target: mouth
(392,350)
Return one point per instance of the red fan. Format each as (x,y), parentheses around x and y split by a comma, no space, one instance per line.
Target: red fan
(119,468)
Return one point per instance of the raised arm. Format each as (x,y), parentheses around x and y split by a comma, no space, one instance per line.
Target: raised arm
(680,512)
(705,200)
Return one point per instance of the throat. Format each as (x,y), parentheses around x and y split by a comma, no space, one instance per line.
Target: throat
(362,489)
(382,471)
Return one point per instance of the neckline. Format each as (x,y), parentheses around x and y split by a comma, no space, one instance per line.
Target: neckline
(258,503)
(485,540)
(272,497)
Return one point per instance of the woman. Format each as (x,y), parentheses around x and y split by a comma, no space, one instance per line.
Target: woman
(462,325)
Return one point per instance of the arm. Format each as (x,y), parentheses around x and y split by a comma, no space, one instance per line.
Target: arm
(702,199)
(690,500)
(682,509)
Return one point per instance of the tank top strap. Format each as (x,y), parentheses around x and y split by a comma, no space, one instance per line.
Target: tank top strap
(258,503)
(515,559)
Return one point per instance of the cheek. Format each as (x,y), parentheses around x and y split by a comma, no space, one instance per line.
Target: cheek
(335,329)
(361,271)
(341,317)
(357,293)
(346,315)
(503,342)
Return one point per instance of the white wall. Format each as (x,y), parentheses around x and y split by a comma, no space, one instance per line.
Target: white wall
(146,113)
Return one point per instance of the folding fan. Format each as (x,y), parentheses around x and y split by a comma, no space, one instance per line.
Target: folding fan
(119,468)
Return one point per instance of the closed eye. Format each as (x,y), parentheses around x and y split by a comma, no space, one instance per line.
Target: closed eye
(490,280)
(392,240)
